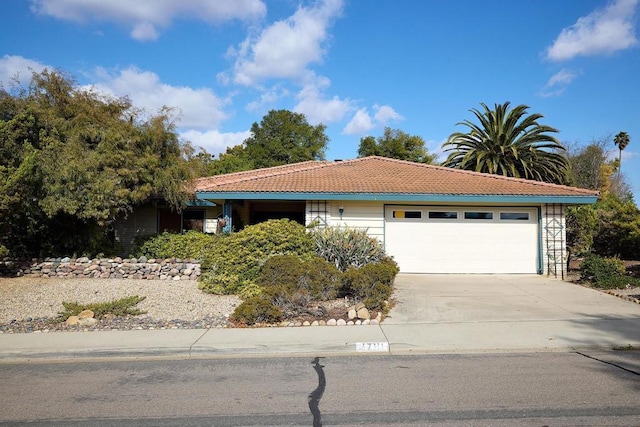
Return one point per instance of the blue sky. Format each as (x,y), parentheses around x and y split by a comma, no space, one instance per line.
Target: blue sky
(354,65)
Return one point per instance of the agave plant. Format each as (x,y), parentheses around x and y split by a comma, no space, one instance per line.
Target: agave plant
(347,247)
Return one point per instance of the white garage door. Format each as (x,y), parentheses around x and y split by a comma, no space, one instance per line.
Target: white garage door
(424,239)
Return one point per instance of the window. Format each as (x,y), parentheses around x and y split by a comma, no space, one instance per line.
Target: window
(514,216)
(407,214)
(443,215)
(192,220)
(478,215)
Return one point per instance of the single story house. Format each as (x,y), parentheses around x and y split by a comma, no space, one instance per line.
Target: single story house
(431,219)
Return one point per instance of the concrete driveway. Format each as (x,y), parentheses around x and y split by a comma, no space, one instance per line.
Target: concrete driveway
(508,312)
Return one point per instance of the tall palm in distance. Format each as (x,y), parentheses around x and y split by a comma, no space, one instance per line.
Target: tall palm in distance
(621,140)
(508,142)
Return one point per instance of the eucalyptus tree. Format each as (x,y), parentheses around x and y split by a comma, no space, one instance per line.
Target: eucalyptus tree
(510,142)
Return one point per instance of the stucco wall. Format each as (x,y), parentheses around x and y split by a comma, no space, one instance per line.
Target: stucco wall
(364,215)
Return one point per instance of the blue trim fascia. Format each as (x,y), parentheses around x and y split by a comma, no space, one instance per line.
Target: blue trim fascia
(201,203)
(398,197)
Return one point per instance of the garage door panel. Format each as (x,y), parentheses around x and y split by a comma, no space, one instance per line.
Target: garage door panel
(463,246)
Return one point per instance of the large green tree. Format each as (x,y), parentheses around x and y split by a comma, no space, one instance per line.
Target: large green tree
(396,144)
(283,137)
(73,160)
(510,142)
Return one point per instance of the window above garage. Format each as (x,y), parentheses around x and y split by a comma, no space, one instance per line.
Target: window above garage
(443,215)
(514,216)
(407,214)
(478,215)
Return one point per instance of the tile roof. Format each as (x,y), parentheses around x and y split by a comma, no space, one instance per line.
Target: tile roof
(379,175)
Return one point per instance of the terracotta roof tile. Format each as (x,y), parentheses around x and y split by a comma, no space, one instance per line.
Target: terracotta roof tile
(379,175)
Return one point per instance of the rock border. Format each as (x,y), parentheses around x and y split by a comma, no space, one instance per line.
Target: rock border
(104,268)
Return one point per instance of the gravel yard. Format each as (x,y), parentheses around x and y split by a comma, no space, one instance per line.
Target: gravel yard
(28,303)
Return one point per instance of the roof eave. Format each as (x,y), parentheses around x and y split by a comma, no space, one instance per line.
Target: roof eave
(399,197)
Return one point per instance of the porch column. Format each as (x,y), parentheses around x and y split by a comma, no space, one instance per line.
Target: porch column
(227,216)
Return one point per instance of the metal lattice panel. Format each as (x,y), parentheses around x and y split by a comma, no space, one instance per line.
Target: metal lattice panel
(555,240)
(318,212)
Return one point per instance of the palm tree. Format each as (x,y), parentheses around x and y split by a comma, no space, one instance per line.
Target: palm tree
(621,140)
(508,142)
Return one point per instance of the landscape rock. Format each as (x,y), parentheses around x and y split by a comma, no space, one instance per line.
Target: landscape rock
(103,268)
(332,322)
(87,321)
(72,321)
(363,313)
(86,314)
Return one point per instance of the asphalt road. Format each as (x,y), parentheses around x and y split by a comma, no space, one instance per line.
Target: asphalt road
(596,388)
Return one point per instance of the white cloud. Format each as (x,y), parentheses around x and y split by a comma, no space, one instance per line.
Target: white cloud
(320,109)
(362,122)
(603,31)
(359,124)
(199,108)
(286,48)
(146,17)
(436,148)
(214,141)
(144,31)
(385,114)
(267,99)
(20,68)
(558,83)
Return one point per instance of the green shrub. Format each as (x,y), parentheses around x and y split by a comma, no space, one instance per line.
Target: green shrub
(256,310)
(595,268)
(371,284)
(316,277)
(192,244)
(249,289)
(617,282)
(212,282)
(4,252)
(119,308)
(606,273)
(347,247)
(242,254)
(281,271)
